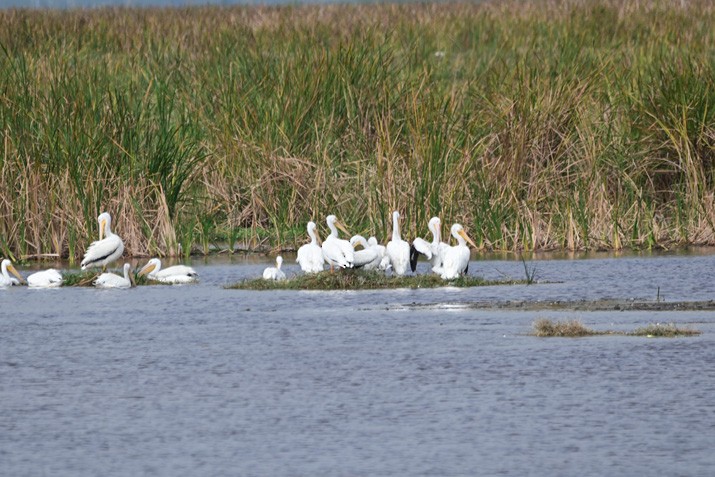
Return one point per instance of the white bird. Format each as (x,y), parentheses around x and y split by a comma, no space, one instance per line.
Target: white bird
(105,250)
(382,251)
(45,279)
(275,273)
(174,274)
(397,249)
(456,259)
(367,258)
(434,251)
(5,279)
(111,280)
(337,252)
(310,255)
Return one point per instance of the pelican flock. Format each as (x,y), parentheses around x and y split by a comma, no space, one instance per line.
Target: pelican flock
(449,262)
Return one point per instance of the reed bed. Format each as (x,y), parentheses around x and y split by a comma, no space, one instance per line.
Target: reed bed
(537,125)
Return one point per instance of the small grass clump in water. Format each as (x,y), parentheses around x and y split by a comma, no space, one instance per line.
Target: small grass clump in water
(659,330)
(574,329)
(79,279)
(361,280)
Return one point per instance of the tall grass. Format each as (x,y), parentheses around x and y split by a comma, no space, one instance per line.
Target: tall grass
(538,125)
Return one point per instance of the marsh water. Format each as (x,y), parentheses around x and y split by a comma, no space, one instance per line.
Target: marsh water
(200,380)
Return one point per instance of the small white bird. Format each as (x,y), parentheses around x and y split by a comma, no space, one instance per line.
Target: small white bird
(397,249)
(434,251)
(337,252)
(107,249)
(5,279)
(50,278)
(275,273)
(456,259)
(175,274)
(310,255)
(382,252)
(367,258)
(111,280)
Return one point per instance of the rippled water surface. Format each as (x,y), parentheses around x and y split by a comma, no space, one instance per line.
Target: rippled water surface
(199,380)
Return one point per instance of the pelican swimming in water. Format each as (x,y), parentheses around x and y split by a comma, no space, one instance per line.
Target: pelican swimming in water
(337,252)
(45,279)
(369,257)
(5,279)
(434,251)
(310,255)
(397,249)
(275,273)
(107,249)
(174,274)
(456,259)
(111,280)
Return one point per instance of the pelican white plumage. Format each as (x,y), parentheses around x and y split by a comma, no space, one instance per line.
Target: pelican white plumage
(5,279)
(337,252)
(310,255)
(107,249)
(111,280)
(368,258)
(175,274)
(456,259)
(50,278)
(381,250)
(434,251)
(275,273)
(397,249)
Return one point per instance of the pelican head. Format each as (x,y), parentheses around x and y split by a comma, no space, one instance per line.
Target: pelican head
(459,234)
(152,266)
(312,232)
(105,224)
(279,262)
(333,222)
(359,240)
(7,266)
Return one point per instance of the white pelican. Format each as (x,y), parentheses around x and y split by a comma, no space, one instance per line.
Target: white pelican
(337,252)
(105,250)
(111,280)
(174,274)
(368,258)
(434,251)
(456,259)
(384,259)
(5,279)
(310,255)
(45,279)
(275,273)
(397,249)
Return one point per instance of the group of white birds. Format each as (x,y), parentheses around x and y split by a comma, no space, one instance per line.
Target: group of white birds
(448,261)
(108,249)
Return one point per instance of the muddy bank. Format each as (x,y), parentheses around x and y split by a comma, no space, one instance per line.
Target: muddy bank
(583,305)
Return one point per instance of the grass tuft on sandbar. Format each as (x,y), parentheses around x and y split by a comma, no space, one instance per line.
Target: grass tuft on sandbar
(363,280)
(575,329)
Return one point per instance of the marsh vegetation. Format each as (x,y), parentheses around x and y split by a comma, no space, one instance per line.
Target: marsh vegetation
(575,329)
(537,125)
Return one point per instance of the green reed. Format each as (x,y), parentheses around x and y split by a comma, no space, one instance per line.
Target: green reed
(538,125)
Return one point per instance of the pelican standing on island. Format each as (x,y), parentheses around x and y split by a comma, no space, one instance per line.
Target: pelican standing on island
(50,278)
(175,274)
(368,258)
(397,249)
(456,259)
(107,249)
(310,255)
(337,252)
(434,251)
(111,280)
(275,273)
(382,252)
(5,279)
